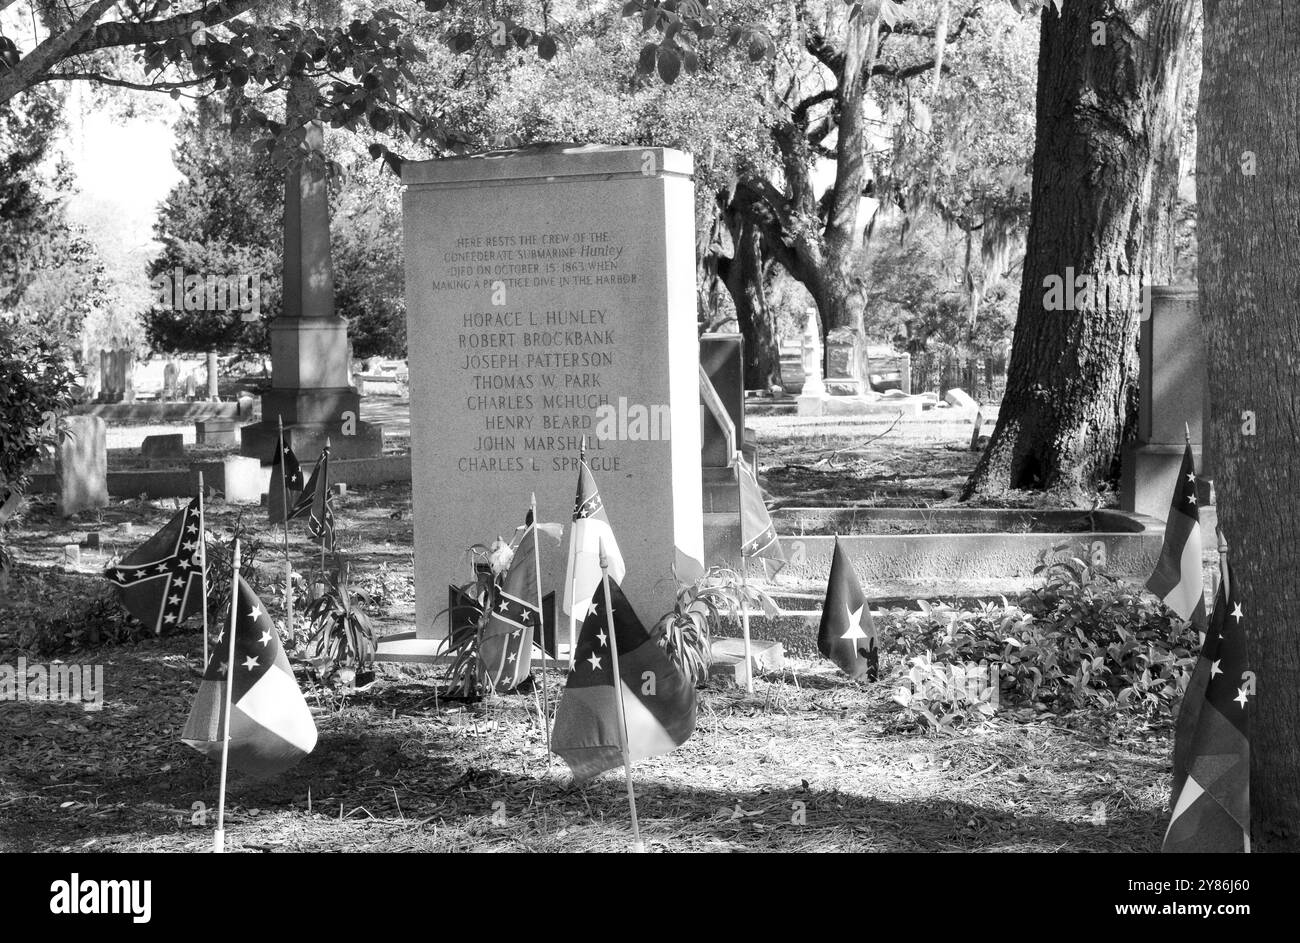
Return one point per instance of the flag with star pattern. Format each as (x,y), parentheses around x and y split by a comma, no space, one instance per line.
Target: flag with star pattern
(1178,579)
(315,502)
(846,635)
(161,581)
(286,480)
(757,535)
(1211,795)
(506,648)
(590,528)
(658,702)
(271,727)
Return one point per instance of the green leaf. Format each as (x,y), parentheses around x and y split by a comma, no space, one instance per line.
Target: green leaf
(645,63)
(670,64)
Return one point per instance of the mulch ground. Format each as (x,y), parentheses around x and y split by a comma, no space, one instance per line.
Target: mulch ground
(821,764)
(810,762)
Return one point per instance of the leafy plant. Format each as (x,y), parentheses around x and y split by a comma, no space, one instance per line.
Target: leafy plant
(1083,638)
(342,642)
(686,633)
(221,556)
(941,694)
(74,618)
(468,616)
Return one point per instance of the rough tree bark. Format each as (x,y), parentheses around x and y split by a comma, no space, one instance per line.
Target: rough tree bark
(743,275)
(1249,231)
(1103,113)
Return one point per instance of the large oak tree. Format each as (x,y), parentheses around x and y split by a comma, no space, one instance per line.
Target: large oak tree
(1110,95)
(1248,171)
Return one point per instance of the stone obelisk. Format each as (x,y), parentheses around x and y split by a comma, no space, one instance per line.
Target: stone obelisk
(309,342)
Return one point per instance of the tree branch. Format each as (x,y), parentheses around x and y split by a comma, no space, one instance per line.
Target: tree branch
(123,33)
(55,48)
(120,83)
(800,111)
(911,71)
(904,29)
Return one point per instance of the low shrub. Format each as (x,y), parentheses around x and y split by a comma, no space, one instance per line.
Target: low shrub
(1082,639)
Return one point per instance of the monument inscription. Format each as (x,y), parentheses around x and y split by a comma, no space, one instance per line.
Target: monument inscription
(551,301)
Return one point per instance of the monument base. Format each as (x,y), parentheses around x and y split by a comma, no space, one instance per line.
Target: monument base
(409,648)
(363,440)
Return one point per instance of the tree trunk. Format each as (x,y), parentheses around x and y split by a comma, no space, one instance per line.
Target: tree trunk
(1249,256)
(743,274)
(1102,106)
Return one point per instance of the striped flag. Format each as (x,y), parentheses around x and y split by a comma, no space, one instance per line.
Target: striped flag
(286,479)
(1211,795)
(847,635)
(270,724)
(590,528)
(757,535)
(315,501)
(658,703)
(161,581)
(506,648)
(1178,579)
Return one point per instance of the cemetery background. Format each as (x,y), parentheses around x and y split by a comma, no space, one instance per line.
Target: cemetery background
(833,461)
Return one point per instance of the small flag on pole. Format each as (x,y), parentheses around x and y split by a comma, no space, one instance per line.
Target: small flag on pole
(1211,795)
(590,527)
(658,702)
(271,727)
(847,635)
(315,502)
(757,535)
(286,476)
(506,649)
(1178,579)
(160,582)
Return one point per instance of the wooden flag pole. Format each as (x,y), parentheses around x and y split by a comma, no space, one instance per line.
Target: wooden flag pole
(1223,561)
(541,617)
(573,583)
(637,844)
(324,501)
(203,565)
(744,625)
(288,563)
(219,839)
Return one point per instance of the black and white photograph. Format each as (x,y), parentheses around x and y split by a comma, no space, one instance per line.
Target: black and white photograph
(650,426)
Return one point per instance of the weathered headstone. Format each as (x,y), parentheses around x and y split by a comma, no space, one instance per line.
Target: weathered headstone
(811,398)
(216,432)
(551,295)
(191,386)
(244,480)
(962,401)
(846,362)
(723,358)
(126,375)
(1172,393)
(81,464)
(170,375)
(171,445)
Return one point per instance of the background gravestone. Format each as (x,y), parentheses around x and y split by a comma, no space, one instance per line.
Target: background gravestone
(81,464)
(165,446)
(543,285)
(1172,394)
